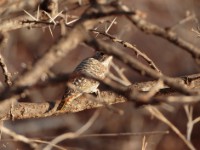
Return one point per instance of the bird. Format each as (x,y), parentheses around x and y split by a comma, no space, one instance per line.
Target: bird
(82,79)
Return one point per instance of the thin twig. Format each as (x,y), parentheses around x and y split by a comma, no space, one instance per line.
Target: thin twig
(120,72)
(183,21)
(144,143)
(19,137)
(189,114)
(3,65)
(129,45)
(167,34)
(65,136)
(123,134)
(156,113)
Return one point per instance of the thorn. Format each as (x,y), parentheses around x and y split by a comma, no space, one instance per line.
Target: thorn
(72,21)
(51,19)
(66,18)
(80,2)
(38,13)
(96,32)
(51,31)
(110,25)
(30,15)
(97,35)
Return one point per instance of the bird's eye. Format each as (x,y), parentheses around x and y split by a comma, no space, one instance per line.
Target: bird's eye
(101,54)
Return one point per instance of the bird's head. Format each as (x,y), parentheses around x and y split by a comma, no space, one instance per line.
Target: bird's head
(104,58)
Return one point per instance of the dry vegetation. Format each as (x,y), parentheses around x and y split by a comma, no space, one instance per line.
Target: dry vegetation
(149,99)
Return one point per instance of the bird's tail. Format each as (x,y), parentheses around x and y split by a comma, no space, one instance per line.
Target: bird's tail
(67,100)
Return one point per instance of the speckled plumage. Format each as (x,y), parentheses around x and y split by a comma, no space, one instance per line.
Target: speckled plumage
(95,67)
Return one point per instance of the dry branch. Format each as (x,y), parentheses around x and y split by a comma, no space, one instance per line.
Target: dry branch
(22,110)
(141,68)
(167,34)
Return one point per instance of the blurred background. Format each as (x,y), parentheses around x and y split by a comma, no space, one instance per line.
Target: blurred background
(25,45)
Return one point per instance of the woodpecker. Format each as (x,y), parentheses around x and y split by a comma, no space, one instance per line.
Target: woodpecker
(83,77)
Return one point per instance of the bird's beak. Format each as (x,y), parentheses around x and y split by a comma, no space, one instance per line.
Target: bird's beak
(107,61)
